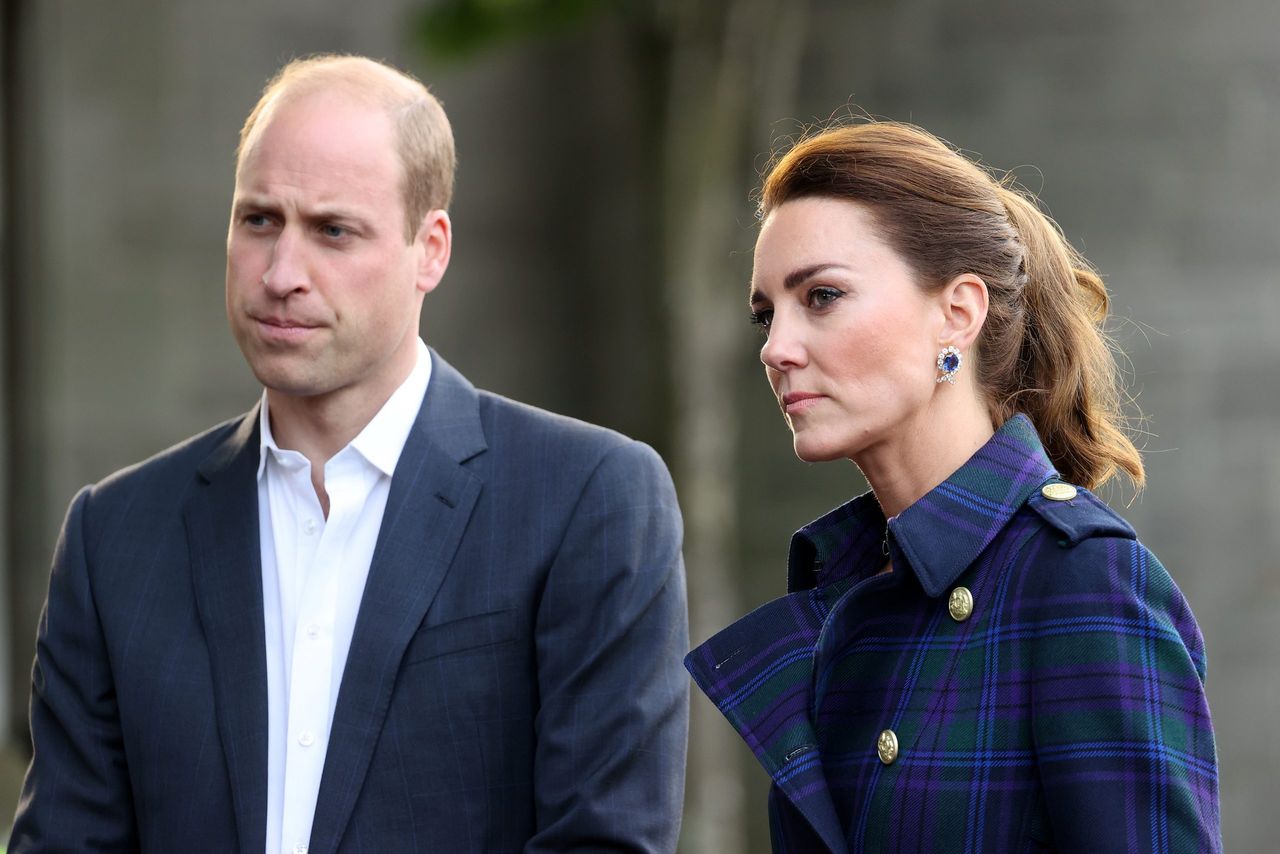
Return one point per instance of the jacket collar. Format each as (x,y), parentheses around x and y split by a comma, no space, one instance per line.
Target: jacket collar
(939,535)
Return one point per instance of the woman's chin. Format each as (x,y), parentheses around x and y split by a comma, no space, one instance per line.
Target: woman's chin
(811,451)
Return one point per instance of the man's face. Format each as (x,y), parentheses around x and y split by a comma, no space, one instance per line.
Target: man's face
(323,292)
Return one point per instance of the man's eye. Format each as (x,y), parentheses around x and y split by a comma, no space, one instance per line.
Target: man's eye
(255,220)
(333,231)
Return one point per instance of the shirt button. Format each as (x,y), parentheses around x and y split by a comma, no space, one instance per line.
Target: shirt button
(1058,491)
(960,604)
(887,747)
(309,527)
(313,631)
(299,849)
(306,738)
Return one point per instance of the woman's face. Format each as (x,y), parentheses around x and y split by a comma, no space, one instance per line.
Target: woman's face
(851,339)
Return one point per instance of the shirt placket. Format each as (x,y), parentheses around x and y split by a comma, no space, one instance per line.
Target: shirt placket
(311,674)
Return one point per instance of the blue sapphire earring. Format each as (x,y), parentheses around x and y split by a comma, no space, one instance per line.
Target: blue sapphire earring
(949,361)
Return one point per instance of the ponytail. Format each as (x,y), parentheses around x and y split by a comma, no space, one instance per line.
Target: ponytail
(1043,350)
(1065,378)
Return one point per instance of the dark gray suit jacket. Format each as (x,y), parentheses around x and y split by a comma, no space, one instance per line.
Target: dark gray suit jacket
(514,681)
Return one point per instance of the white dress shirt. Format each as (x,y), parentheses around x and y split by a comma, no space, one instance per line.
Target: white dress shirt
(313,577)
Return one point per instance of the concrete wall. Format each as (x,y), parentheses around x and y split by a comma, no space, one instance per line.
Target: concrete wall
(1150,129)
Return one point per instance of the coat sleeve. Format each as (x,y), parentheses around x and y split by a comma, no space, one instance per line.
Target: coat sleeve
(76,796)
(612,628)
(1123,739)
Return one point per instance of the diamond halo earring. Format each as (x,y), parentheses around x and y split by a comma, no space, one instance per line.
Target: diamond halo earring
(949,362)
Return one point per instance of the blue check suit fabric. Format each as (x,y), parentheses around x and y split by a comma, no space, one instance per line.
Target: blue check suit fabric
(1066,713)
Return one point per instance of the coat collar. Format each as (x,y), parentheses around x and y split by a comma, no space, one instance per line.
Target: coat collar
(433,493)
(759,673)
(939,535)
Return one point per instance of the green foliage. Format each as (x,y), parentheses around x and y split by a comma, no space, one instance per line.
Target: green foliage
(459,29)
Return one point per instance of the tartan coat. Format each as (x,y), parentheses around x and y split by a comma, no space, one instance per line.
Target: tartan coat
(1027,678)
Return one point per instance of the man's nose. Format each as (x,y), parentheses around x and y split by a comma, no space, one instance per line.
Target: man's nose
(288,270)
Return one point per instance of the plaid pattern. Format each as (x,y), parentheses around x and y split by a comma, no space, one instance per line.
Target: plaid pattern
(1066,713)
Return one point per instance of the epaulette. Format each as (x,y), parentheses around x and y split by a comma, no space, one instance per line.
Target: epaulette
(1077,513)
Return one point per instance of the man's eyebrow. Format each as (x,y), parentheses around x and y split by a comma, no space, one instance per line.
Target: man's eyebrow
(796,278)
(326,212)
(250,203)
(320,213)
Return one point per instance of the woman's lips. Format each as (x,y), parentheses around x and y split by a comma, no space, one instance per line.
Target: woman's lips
(796,402)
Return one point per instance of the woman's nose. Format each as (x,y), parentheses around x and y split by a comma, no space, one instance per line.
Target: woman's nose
(783,349)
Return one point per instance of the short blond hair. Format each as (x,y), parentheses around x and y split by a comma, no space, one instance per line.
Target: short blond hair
(424,139)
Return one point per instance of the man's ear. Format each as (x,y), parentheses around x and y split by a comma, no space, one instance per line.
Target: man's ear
(435,242)
(963,302)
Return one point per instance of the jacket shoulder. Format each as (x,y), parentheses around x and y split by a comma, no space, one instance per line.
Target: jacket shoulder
(171,466)
(512,425)
(565,454)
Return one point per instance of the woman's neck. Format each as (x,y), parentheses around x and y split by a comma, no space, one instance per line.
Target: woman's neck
(925,451)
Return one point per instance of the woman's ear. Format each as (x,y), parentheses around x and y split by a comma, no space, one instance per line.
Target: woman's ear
(964,309)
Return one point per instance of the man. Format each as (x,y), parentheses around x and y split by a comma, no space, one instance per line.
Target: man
(383,611)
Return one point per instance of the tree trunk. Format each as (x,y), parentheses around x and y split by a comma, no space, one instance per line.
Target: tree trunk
(716,108)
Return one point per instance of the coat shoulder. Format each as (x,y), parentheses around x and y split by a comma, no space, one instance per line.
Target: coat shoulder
(1089,555)
(1080,517)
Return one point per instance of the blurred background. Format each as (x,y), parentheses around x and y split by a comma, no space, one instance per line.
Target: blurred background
(603,220)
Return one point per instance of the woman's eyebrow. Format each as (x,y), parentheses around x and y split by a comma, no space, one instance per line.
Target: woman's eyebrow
(797,277)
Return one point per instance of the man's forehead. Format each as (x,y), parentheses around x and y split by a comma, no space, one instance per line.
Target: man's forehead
(334,116)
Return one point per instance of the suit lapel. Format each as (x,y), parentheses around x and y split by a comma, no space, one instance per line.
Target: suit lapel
(226,568)
(430,503)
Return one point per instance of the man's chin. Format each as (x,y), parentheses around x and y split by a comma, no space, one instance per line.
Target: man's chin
(290,383)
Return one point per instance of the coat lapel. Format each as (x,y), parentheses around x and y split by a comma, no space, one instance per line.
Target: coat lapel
(226,567)
(431,500)
(759,673)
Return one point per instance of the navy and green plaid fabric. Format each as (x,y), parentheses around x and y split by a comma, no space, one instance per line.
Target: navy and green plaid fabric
(1067,712)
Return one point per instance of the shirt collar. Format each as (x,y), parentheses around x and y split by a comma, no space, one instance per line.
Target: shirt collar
(383,438)
(943,532)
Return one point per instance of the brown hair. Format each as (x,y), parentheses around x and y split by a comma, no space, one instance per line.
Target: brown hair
(1043,350)
(424,139)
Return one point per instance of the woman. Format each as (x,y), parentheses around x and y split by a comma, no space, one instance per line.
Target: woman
(977,655)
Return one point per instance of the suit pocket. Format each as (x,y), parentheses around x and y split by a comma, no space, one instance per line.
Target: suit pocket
(462,634)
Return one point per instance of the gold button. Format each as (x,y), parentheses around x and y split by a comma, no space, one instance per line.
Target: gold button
(1058,491)
(960,604)
(887,747)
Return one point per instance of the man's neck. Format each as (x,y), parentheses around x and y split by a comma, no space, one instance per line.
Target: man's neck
(319,426)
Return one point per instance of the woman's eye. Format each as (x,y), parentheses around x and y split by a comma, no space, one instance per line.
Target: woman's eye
(763,318)
(823,297)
